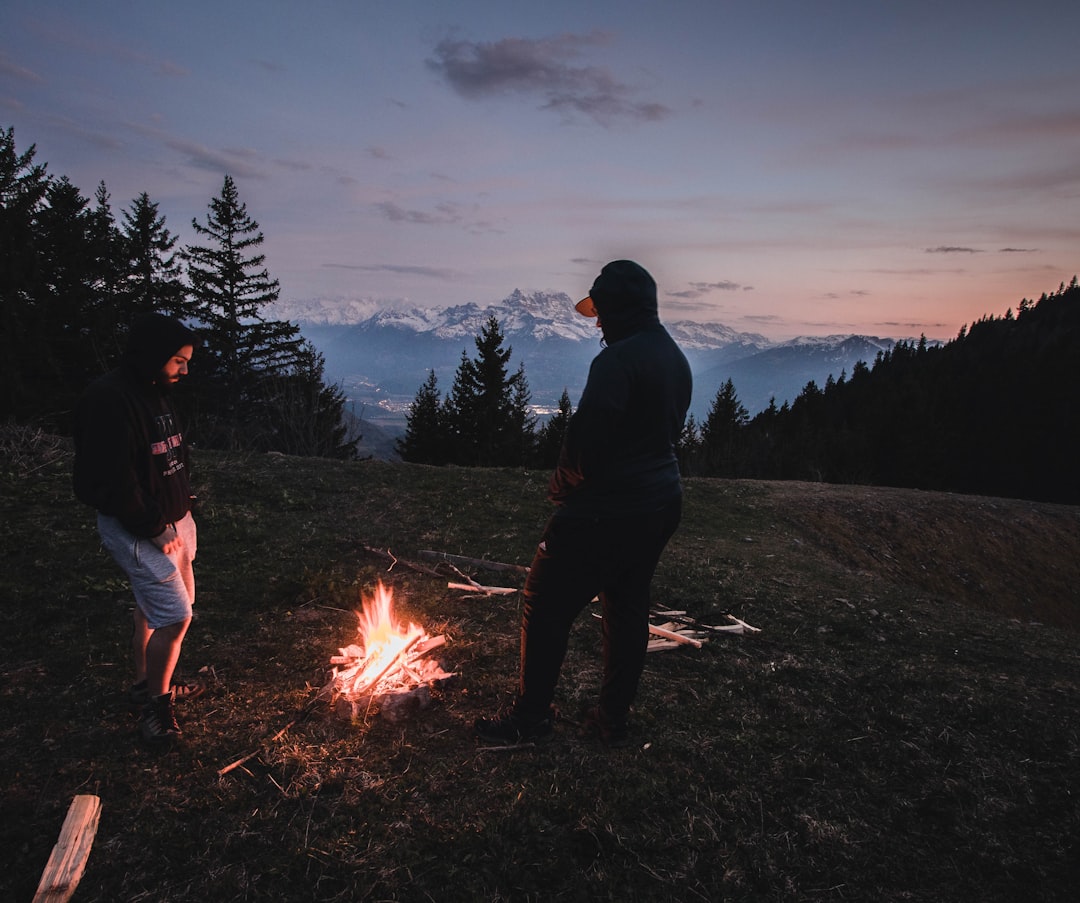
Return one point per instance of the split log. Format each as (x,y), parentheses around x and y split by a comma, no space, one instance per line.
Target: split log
(67,862)
(682,618)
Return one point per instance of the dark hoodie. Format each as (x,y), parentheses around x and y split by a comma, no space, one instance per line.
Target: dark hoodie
(130,458)
(618,457)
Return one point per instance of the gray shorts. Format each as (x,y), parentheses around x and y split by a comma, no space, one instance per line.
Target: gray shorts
(164,585)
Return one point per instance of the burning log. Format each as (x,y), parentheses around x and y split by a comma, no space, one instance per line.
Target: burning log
(388,668)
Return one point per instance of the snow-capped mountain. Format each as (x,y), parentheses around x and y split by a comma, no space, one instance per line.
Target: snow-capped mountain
(381,357)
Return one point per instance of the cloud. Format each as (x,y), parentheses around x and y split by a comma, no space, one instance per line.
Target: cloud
(270,66)
(853,293)
(1019,250)
(543,68)
(951,249)
(446,214)
(429,272)
(697,289)
(8,67)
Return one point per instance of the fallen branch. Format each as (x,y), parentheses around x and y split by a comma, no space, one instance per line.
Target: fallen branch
(474,562)
(508,748)
(387,555)
(67,861)
(301,715)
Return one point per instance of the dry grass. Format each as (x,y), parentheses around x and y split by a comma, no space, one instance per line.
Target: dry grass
(904,728)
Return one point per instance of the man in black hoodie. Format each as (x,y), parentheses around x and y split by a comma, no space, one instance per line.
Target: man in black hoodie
(618,497)
(131,464)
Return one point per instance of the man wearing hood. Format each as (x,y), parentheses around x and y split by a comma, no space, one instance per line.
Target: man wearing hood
(131,464)
(618,497)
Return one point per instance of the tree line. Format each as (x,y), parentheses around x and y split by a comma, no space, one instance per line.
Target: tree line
(995,411)
(486,418)
(73,277)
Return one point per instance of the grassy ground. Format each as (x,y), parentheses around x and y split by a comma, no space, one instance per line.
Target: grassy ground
(903,728)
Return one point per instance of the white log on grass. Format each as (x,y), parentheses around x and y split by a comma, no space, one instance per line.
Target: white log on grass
(486,590)
(67,862)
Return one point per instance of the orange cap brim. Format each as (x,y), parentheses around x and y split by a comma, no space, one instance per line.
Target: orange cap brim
(586,308)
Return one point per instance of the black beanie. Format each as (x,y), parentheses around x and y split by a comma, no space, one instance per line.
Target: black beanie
(623,284)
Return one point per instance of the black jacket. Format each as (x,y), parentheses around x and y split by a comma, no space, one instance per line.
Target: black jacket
(618,456)
(131,461)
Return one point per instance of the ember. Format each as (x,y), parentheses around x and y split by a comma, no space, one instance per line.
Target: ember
(389,664)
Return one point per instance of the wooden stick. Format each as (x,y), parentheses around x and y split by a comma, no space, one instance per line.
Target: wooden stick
(672,635)
(486,590)
(300,716)
(393,559)
(475,562)
(741,624)
(252,755)
(67,862)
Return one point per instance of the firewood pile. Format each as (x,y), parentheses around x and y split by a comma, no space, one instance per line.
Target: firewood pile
(359,683)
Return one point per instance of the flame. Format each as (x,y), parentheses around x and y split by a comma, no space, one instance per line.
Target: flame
(384,640)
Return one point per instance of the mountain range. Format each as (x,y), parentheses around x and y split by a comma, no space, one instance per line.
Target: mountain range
(380,358)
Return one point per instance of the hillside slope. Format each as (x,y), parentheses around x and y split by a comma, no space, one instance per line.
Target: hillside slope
(902,728)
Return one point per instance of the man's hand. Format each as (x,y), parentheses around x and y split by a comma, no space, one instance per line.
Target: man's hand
(168,540)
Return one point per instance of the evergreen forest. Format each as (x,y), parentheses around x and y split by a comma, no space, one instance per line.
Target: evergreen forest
(995,411)
(73,277)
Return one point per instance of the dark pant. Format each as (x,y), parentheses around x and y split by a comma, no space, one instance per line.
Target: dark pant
(578,559)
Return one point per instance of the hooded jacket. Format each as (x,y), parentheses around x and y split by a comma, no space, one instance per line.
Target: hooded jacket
(618,457)
(130,458)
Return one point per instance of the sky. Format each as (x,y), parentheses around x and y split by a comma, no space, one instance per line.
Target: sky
(785,168)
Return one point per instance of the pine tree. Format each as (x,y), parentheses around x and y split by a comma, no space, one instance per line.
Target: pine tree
(23,187)
(154,279)
(550,440)
(523,422)
(484,426)
(304,415)
(722,430)
(230,286)
(68,300)
(425,440)
(688,448)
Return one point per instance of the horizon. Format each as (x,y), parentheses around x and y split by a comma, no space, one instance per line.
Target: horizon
(780,169)
(354,311)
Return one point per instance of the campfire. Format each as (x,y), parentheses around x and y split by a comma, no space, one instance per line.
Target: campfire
(388,668)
